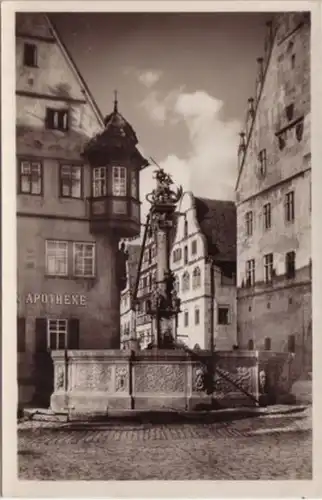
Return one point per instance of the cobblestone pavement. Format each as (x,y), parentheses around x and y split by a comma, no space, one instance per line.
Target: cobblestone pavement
(258,448)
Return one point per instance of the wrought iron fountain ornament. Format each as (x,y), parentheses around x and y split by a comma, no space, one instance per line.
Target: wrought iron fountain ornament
(165,303)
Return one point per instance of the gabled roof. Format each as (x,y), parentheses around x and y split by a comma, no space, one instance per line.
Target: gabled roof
(77,74)
(218,223)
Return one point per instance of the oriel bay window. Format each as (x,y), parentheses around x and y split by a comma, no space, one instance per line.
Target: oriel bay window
(71,181)
(99,182)
(119,181)
(30,177)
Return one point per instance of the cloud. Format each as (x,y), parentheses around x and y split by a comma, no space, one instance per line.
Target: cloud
(150,77)
(160,109)
(209,168)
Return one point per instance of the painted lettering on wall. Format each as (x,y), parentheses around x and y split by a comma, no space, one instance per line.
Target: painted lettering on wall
(72,299)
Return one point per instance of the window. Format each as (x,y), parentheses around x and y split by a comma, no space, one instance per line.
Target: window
(185,250)
(262,162)
(185,228)
(57,333)
(57,119)
(250,272)
(149,256)
(289,111)
(196,277)
(30,177)
(267,344)
(176,284)
(119,181)
(289,206)
(250,344)
(197,316)
(176,255)
(268,267)
(185,281)
(70,181)
(84,260)
(186,318)
(194,247)
(291,343)
(134,185)
(30,55)
(21,334)
(293,61)
(99,182)
(267,216)
(223,315)
(290,265)
(249,223)
(56,257)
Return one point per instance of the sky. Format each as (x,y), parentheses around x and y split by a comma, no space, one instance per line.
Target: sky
(183,82)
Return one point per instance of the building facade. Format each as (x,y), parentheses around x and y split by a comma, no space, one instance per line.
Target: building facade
(203,259)
(68,269)
(273,195)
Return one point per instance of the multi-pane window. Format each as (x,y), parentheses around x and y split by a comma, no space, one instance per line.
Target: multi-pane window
(119,181)
(249,223)
(268,267)
(56,257)
(57,331)
(30,177)
(250,272)
(185,281)
(267,216)
(186,318)
(99,182)
(196,277)
(57,119)
(194,247)
(223,315)
(289,206)
(262,162)
(134,185)
(30,55)
(197,316)
(290,265)
(185,254)
(70,181)
(84,259)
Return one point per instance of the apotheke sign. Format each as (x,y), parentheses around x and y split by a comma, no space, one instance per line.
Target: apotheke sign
(72,299)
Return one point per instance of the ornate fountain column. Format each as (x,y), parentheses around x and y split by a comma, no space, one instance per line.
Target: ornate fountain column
(165,305)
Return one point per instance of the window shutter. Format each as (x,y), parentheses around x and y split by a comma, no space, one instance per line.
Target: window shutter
(41,335)
(21,334)
(73,334)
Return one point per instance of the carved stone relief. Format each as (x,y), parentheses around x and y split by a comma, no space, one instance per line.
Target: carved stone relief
(92,376)
(159,378)
(121,379)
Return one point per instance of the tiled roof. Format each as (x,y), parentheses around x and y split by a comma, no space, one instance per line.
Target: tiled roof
(217,221)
